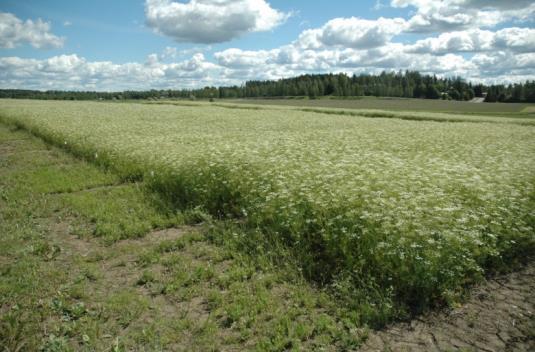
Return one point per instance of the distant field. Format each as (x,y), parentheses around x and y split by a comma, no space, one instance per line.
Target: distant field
(393,215)
(398,104)
(523,118)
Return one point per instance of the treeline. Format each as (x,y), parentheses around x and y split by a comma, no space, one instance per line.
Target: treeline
(404,85)
(514,93)
(207,92)
(408,84)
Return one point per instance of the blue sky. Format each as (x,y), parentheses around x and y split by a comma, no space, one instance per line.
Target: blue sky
(172,44)
(119,33)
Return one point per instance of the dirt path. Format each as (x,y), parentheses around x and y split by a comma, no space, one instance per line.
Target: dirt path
(477,100)
(499,316)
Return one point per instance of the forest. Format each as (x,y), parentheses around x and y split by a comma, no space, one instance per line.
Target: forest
(408,84)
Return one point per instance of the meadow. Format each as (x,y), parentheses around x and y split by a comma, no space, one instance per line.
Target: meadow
(392,213)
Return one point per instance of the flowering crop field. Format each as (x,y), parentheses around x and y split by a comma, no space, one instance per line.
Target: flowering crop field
(397,215)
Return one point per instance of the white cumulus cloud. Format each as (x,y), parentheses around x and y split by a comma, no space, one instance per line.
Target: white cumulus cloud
(516,39)
(237,58)
(14,32)
(211,21)
(477,40)
(451,15)
(66,72)
(353,33)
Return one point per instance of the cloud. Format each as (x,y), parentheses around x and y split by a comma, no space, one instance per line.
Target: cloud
(454,42)
(352,33)
(66,72)
(503,67)
(477,40)
(234,66)
(172,53)
(393,57)
(452,15)
(294,60)
(426,5)
(515,39)
(496,4)
(501,62)
(14,32)
(378,5)
(440,55)
(211,21)
(237,58)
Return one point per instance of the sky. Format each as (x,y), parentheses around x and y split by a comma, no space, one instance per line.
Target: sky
(169,44)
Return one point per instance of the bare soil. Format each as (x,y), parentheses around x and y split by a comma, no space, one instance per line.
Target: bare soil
(499,316)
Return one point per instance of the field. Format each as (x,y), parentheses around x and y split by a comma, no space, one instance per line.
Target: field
(402,104)
(383,214)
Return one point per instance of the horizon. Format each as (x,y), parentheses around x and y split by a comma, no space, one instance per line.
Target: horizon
(244,83)
(163,44)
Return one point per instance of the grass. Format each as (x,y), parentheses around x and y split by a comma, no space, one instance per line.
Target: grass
(130,287)
(120,212)
(390,213)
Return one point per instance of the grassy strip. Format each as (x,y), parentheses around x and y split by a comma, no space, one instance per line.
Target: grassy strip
(126,170)
(170,290)
(418,116)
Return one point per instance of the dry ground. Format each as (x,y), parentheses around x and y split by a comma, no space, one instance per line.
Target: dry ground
(499,316)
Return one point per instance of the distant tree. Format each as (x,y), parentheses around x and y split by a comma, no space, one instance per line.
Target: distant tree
(314,91)
(329,88)
(468,94)
(432,92)
(478,90)
(518,94)
(454,94)
(418,91)
(491,96)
